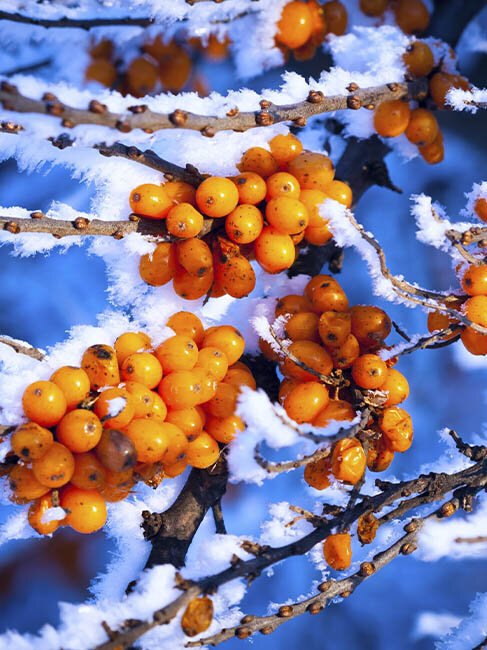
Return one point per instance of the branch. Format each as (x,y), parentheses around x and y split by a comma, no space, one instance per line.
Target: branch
(433,341)
(21,347)
(73,22)
(143,118)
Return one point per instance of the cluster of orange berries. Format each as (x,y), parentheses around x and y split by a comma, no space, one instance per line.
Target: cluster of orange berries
(131,412)
(261,214)
(412,16)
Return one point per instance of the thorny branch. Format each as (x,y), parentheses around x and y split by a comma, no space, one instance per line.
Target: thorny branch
(21,347)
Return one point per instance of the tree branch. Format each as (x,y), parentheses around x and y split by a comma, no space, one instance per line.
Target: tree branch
(21,347)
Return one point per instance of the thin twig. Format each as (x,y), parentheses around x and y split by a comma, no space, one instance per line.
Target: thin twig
(21,347)
(220,527)
(434,341)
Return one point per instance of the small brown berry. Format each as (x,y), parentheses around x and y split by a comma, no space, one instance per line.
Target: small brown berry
(178,117)
(366,569)
(314,608)
(37,214)
(285,611)
(447,509)
(353,102)
(122,126)
(324,586)
(300,121)
(243,633)
(81,223)
(232,112)
(407,549)
(247,619)
(208,131)
(12,227)
(264,118)
(315,97)
(96,107)
(352,87)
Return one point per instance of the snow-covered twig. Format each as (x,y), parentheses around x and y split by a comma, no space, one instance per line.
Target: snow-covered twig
(21,347)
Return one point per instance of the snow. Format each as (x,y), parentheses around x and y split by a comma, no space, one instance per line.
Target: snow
(434,624)
(471,631)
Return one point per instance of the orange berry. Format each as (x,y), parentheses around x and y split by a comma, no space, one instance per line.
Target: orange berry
(318,24)
(328,296)
(37,510)
(373,7)
(192,287)
(187,324)
(113,494)
(312,199)
(348,460)
(338,410)
(268,351)
(89,473)
(102,71)
(295,25)
(312,355)
(334,327)
(195,256)
(150,438)
(397,426)
(305,401)
(282,184)
(397,387)
(44,403)
(285,148)
(418,59)
(30,441)
(56,467)
(87,510)
(74,382)
(286,386)
(150,201)
(474,281)
(24,484)
(475,309)
(379,454)
(217,50)
(175,469)
(481,209)
(251,187)
(174,68)
(129,343)
(317,474)
(179,390)
(318,235)
(244,224)
(475,342)
(178,443)
(314,171)
(100,364)
(369,371)
(239,377)
(392,118)
(286,215)
(184,221)
(116,451)
(180,192)
(189,420)
(102,50)
(370,325)
(224,429)
(178,352)
(336,17)
(141,76)
(345,354)
(337,550)
(216,196)
(422,128)
(205,385)
(224,403)
(159,409)
(412,16)
(197,616)
(158,48)
(80,430)
(213,361)
(339,191)
(292,304)
(158,267)
(258,160)
(303,325)
(142,367)
(236,276)
(439,321)
(441,82)
(227,339)
(433,153)
(203,451)
(115,407)
(274,250)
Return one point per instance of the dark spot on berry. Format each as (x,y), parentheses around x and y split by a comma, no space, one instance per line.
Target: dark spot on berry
(136,197)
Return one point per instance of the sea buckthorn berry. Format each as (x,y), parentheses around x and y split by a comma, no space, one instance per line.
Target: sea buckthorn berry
(418,59)
(44,403)
(475,309)
(115,407)
(295,25)
(158,48)
(74,382)
(305,401)
(274,250)
(287,215)
(150,201)
(259,161)
(292,304)
(30,441)
(24,484)
(113,494)
(190,420)
(217,50)
(203,451)
(150,439)
(337,550)
(318,235)
(379,454)
(244,224)
(197,616)
(227,339)
(474,281)
(303,325)
(318,24)
(159,409)
(116,451)
(396,386)
(187,324)
(175,469)
(285,148)
(89,473)
(345,354)
(392,118)
(179,390)
(251,187)
(142,367)
(224,402)
(317,474)
(224,429)
(440,321)
(397,426)
(239,377)
(216,196)
(412,16)
(236,276)
(184,221)
(481,209)
(370,325)
(348,460)
(329,296)
(141,76)
(422,128)
(373,7)
(37,510)
(87,510)
(102,50)
(475,342)
(435,152)
(178,443)
(56,467)
(100,364)
(178,352)
(180,192)
(314,171)
(286,386)
(174,69)
(129,343)
(282,184)
(441,82)
(142,398)
(336,17)
(268,351)
(339,191)
(334,327)
(312,199)
(195,256)
(213,361)
(192,287)
(80,430)
(312,355)
(337,409)
(369,371)
(205,385)
(102,71)
(158,267)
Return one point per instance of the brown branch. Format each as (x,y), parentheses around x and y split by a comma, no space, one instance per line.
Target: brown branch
(480,539)
(74,22)
(23,348)
(145,119)
(220,527)
(434,341)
